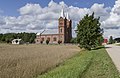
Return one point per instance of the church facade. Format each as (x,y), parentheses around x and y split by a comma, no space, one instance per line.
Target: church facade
(64,33)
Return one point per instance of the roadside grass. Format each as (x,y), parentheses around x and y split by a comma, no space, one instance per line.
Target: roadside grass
(87,64)
(118,44)
(101,66)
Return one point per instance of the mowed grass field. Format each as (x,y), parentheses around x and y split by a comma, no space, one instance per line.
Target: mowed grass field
(29,61)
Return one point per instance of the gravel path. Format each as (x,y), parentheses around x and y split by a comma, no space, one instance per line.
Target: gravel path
(114,52)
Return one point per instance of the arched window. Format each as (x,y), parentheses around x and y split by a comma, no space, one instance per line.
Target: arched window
(48,38)
(61,30)
(37,40)
(42,39)
(54,39)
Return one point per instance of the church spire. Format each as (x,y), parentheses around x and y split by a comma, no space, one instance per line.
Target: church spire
(62,13)
(67,16)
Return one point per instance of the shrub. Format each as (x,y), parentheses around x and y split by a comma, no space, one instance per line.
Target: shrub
(59,41)
(47,42)
(41,42)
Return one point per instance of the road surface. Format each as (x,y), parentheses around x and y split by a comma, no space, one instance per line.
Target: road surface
(114,52)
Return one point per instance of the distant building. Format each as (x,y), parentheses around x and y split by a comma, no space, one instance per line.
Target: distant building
(64,33)
(17,41)
(105,41)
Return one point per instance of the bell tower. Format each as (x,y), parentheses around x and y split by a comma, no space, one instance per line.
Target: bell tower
(64,27)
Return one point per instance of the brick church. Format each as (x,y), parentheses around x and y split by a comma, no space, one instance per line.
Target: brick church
(64,33)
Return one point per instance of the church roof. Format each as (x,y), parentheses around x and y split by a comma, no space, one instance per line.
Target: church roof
(17,39)
(48,31)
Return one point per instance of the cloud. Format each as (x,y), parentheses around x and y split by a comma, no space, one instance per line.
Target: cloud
(112,23)
(100,11)
(34,18)
(29,9)
(112,32)
(2,21)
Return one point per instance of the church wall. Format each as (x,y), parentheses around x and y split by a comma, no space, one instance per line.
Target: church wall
(53,38)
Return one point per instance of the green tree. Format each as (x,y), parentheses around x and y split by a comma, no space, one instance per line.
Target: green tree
(47,42)
(88,32)
(73,40)
(111,40)
(26,37)
(99,41)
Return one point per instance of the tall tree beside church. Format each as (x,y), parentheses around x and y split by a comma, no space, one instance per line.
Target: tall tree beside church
(111,40)
(88,32)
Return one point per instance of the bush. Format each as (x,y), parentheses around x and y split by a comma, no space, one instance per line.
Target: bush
(47,42)
(73,40)
(41,42)
(59,41)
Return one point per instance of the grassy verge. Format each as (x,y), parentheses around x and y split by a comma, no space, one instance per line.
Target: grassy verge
(87,64)
(118,44)
(101,66)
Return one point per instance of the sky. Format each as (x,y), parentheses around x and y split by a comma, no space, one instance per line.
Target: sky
(37,15)
(10,7)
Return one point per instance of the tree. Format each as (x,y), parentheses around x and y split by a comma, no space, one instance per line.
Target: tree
(111,41)
(26,37)
(47,42)
(88,32)
(73,40)
(100,41)
(117,40)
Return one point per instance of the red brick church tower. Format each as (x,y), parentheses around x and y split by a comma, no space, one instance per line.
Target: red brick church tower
(65,27)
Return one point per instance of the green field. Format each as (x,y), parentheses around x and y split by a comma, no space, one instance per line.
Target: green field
(87,64)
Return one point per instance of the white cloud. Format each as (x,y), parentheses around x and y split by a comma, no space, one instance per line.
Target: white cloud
(112,24)
(101,11)
(30,9)
(34,18)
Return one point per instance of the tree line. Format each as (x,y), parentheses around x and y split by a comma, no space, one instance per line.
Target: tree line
(26,37)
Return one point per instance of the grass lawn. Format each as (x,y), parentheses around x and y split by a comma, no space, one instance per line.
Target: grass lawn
(87,64)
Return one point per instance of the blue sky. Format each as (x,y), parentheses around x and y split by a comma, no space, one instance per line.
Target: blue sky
(10,7)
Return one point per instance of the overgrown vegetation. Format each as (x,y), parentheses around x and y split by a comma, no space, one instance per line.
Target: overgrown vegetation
(26,37)
(89,32)
(28,61)
(87,64)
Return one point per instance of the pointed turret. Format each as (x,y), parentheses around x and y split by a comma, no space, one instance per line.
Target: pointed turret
(62,13)
(67,16)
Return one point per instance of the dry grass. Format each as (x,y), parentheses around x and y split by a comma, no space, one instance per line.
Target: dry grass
(28,61)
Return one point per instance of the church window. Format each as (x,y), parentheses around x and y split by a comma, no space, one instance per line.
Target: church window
(48,39)
(54,39)
(37,40)
(60,37)
(61,23)
(61,30)
(42,39)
